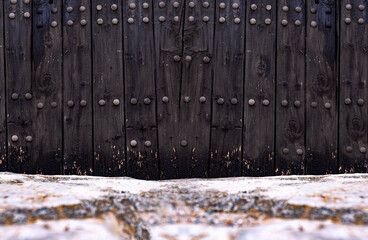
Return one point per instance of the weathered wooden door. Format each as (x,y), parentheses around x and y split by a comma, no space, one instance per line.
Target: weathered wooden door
(183,88)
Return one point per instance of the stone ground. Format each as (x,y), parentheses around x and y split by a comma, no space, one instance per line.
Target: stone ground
(286,207)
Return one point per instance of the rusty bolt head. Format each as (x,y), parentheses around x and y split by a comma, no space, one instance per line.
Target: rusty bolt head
(28,96)
(133,143)
(165,99)
(297,103)
(184,143)
(299,151)
(266,102)
(363,150)
(284,103)
(114,7)
(147,101)
(360,102)
(147,143)
(187,99)
(361,7)
(53,104)
(285,151)
(349,149)
(133,101)
(83,103)
(40,105)
(15,138)
(102,102)
(314,104)
(15,96)
(116,102)
(29,138)
(70,104)
(188,58)
(328,105)
(162,4)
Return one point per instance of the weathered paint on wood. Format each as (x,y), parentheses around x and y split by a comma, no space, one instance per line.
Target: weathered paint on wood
(195,116)
(108,86)
(290,99)
(228,84)
(259,94)
(3,142)
(353,87)
(169,54)
(77,85)
(140,91)
(321,86)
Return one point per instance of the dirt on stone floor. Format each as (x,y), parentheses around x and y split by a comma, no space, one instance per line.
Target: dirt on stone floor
(80,207)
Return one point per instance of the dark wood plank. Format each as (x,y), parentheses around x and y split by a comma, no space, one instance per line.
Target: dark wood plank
(77,81)
(140,97)
(169,47)
(227,102)
(353,90)
(47,87)
(290,99)
(259,99)
(321,83)
(18,39)
(108,87)
(3,145)
(195,116)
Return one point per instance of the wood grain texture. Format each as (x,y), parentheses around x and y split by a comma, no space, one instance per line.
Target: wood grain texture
(290,120)
(195,116)
(353,88)
(321,88)
(228,85)
(3,141)
(259,119)
(168,47)
(77,85)
(139,64)
(47,87)
(108,85)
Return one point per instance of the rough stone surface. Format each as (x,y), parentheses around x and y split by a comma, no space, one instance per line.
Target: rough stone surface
(285,207)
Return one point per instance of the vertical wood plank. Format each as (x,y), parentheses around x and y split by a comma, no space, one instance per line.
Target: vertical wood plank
(195,116)
(140,97)
(321,84)
(77,81)
(18,39)
(259,99)
(108,87)
(168,52)
(353,90)
(47,87)
(3,145)
(290,99)
(227,102)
